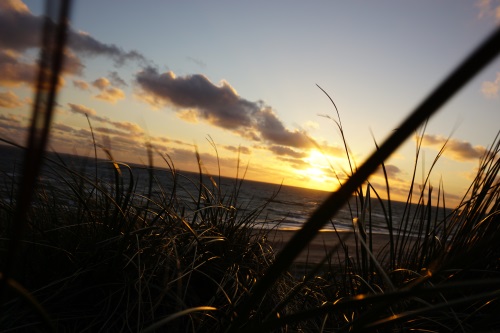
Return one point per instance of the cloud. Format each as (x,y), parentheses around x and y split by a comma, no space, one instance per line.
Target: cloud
(489,8)
(107,130)
(196,61)
(20,30)
(127,126)
(240,149)
(72,64)
(62,128)
(455,149)
(164,139)
(285,151)
(272,129)
(15,6)
(9,100)
(111,95)
(107,92)
(130,128)
(116,79)
(80,84)
(16,17)
(188,115)
(490,89)
(15,72)
(85,44)
(13,127)
(393,172)
(10,121)
(219,105)
(101,83)
(81,109)
(295,163)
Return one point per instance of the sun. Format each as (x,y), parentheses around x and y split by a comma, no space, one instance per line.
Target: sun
(314,174)
(318,174)
(317,159)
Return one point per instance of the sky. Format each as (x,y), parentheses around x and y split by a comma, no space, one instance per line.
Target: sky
(238,82)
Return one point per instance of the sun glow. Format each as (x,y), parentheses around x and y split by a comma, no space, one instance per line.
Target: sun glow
(318,174)
(314,174)
(318,160)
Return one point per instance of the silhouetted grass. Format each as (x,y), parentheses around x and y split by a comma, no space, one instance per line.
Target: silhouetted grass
(86,249)
(476,61)
(100,254)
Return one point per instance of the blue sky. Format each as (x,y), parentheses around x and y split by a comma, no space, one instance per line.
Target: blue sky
(245,74)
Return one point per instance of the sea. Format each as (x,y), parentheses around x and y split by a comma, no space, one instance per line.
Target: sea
(285,207)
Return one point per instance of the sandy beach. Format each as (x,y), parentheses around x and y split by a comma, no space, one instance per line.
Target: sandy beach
(322,243)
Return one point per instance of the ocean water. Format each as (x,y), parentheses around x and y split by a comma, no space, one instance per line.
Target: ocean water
(287,207)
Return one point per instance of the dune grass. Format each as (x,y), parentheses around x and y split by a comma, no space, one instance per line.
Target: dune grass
(102,255)
(83,251)
(99,254)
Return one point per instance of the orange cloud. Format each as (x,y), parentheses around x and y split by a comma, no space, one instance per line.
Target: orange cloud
(101,83)
(490,89)
(489,8)
(107,92)
(81,109)
(16,6)
(111,95)
(80,84)
(128,126)
(15,72)
(239,149)
(9,100)
(188,115)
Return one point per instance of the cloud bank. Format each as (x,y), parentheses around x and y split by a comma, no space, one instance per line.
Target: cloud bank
(16,17)
(219,105)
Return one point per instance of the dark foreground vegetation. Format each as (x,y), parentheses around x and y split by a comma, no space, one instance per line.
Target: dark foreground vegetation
(97,254)
(81,252)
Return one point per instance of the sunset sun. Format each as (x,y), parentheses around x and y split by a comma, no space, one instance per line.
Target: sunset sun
(318,173)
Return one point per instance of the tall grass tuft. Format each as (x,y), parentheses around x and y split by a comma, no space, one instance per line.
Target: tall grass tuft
(99,253)
(438,271)
(472,64)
